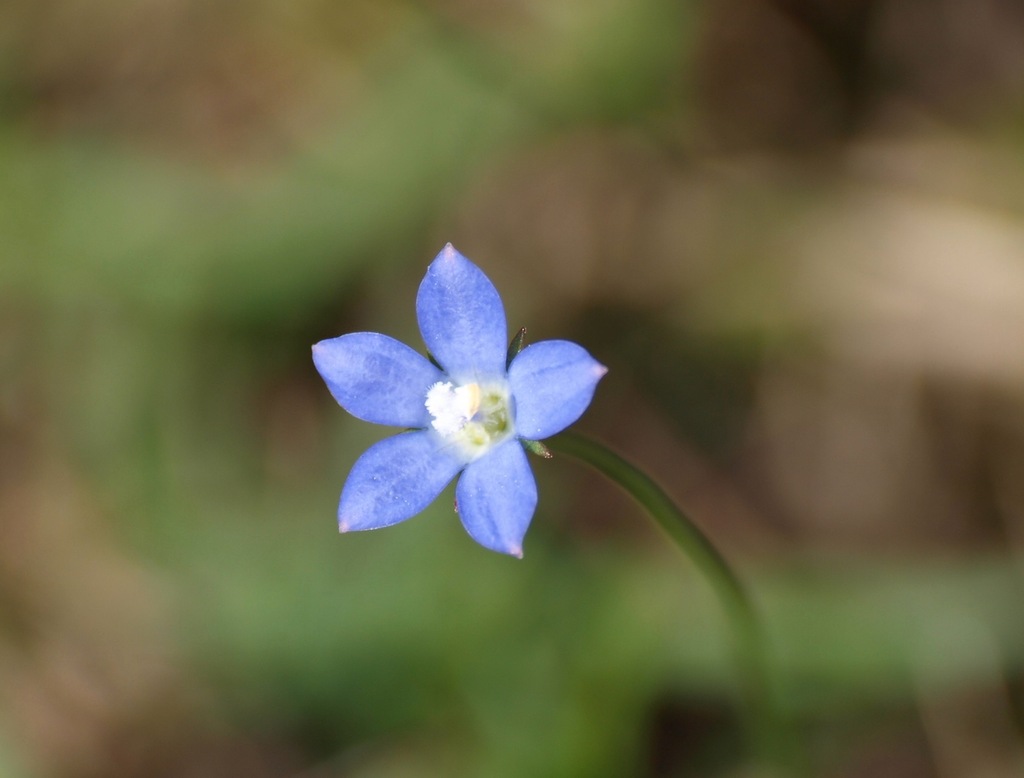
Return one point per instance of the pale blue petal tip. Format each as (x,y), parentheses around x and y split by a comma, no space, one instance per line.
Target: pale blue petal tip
(376,378)
(461,317)
(497,497)
(394,480)
(553,382)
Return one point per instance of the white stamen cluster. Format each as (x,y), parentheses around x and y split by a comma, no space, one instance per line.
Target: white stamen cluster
(452,406)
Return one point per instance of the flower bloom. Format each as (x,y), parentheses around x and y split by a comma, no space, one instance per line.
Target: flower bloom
(469,416)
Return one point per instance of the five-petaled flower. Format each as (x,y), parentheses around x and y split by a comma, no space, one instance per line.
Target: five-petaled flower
(471,415)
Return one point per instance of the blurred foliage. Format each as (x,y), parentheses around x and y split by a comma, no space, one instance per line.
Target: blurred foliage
(794,232)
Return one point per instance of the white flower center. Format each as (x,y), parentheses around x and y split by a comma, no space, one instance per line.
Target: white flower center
(471,416)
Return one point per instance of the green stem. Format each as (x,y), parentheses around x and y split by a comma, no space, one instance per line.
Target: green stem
(751,645)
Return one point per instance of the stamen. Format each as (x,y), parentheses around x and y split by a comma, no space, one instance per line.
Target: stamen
(452,407)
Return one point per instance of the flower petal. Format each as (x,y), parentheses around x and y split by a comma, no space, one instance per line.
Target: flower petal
(377,378)
(394,480)
(461,318)
(553,382)
(496,497)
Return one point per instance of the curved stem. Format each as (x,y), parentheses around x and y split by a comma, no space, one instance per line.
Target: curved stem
(751,645)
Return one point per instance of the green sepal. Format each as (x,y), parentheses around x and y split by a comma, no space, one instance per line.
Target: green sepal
(536,447)
(515,347)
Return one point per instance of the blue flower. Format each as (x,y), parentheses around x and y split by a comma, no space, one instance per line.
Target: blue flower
(469,416)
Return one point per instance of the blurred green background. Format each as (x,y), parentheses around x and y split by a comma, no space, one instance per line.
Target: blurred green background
(794,231)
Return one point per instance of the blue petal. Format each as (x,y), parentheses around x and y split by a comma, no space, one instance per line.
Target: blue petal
(552,382)
(377,378)
(461,318)
(496,497)
(394,480)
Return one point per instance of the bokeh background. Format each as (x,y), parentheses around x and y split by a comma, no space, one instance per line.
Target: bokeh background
(794,231)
